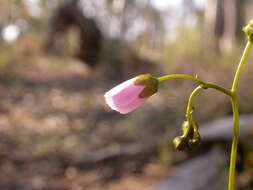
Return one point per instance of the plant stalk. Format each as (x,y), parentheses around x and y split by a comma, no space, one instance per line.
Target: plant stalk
(233,156)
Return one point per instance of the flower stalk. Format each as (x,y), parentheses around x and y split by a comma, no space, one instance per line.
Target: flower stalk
(129,95)
(204,85)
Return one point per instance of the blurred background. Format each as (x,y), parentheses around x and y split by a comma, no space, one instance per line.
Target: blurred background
(58,58)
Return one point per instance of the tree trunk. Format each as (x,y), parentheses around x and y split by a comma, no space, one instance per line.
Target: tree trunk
(209,16)
(228,38)
(69,15)
(223,22)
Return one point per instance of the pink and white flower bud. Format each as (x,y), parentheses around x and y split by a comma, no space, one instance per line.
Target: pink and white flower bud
(129,95)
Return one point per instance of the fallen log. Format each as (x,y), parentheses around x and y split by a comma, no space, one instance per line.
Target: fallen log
(203,172)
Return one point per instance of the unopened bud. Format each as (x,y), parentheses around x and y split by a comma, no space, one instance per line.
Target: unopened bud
(195,141)
(181,143)
(248,30)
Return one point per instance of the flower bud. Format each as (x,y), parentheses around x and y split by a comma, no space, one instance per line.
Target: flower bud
(129,95)
(195,141)
(190,137)
(248,30)
(181,143)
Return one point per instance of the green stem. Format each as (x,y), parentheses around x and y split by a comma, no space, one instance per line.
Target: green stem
(189,109)
(206,85)
(232,167)
(240,66)
(190,103)
(196,80)
(166,77)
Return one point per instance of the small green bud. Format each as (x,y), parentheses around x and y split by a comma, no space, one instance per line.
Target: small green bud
(151,85)
(248,30)
(181,143)
(196,139)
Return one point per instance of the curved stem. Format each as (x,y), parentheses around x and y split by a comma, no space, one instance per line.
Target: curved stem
(217,87)
(196,80)
(189,109)
(166,77)
(190,103)
(240,66)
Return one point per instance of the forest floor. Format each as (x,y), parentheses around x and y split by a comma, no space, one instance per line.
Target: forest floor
(49,111)
(53,116)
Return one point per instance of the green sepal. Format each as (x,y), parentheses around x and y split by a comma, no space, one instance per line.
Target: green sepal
(151,85)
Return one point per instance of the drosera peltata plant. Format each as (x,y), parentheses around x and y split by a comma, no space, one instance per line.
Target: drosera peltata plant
(129,95)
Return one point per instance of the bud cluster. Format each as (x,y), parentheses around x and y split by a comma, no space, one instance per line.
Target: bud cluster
(190,137)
